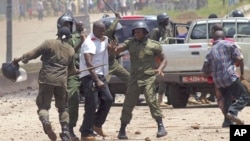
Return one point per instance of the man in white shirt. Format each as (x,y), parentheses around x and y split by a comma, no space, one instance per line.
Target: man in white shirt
(94,51)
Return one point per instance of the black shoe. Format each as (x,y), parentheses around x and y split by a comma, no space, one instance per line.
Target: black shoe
(73,137)
(122,135)
(161,129)
(211,98)
(235,119)
(48,130)
(140,100)
(72,134)
(65,137)
(227,124)
(161,132)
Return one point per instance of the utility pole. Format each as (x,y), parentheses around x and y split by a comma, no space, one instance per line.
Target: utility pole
(9,30)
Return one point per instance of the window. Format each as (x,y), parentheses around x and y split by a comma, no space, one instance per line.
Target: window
(199,32)
(229,28)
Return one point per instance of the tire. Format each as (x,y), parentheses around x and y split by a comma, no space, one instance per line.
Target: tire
(178,96)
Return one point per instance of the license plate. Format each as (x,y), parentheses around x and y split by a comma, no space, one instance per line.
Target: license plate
(194,79)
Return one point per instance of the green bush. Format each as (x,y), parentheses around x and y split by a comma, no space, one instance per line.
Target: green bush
(214,6)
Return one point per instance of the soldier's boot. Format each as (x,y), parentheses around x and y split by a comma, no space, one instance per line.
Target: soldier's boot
(72,134)
(161,129)
(48,129)
(192,100)
(122,132)
(65,136)
(160,101)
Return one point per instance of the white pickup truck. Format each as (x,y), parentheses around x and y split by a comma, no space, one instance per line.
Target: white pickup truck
(183,72)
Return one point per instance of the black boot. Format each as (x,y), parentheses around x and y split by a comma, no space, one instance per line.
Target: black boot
(65,132)
(48,129)
(161,129)
(72,134)
(227,122)
(122,133)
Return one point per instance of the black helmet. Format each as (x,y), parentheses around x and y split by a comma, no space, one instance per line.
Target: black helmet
(108,23)
(66,17)
(64,32)
(237,13)
(13,72)
(140,24)
(211,16)
(162,17)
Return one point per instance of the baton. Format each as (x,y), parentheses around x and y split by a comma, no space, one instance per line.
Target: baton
(92,67)
(109,7)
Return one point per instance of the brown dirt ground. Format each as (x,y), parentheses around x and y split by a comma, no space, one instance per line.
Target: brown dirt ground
(20,121)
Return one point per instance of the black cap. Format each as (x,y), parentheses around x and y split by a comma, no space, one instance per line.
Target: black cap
(211,16)
(64,32)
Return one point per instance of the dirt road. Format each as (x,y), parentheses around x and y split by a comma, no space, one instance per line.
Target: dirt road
(20,121)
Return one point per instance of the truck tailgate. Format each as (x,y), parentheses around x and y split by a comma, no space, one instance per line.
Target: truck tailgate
(184,57)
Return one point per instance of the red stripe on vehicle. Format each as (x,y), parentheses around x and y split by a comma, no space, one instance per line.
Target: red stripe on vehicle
(195,46)
(133,17)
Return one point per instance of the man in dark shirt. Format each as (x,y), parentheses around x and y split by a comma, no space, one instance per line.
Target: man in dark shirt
(220,63)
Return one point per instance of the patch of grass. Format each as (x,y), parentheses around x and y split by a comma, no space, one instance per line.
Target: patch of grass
(214,6)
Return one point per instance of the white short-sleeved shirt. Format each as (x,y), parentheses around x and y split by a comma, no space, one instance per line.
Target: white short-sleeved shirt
(99,49)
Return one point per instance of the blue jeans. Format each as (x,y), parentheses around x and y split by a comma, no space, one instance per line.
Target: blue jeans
(235,90)
(100,99)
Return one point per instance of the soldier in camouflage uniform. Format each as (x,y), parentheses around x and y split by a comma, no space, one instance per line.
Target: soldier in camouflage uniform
(67,20)
(57,63)
(114,67)
(164,30)
(143,76)
(162,34)
(74,81)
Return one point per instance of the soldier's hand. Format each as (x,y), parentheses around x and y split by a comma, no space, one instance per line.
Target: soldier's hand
(111,46)
(16,60)
(117,15)
(159,72)
(77,72)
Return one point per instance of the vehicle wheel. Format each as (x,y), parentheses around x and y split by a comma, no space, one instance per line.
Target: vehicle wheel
(178,96)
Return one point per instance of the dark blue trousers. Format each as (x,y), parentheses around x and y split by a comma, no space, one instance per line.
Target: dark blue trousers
(97,104)
(235,90)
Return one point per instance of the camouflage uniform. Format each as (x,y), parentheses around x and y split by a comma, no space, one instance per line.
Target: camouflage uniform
(144,69)
(74,83)
(114,67)
(142,78)
(161,34)
(56,57)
